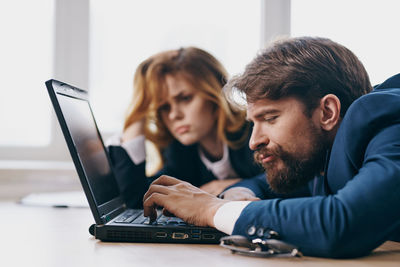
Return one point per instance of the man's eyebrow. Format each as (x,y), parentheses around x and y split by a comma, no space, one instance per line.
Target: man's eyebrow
(264,112)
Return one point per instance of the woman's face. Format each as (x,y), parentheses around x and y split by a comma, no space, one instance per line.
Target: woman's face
(188,116)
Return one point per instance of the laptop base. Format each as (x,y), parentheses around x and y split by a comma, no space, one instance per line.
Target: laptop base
(155,234)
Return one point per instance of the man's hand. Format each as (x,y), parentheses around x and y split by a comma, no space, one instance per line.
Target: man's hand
(215,187)
(239,194)
(181,199)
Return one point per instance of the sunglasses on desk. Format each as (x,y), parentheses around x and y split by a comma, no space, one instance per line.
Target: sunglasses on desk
(259,247)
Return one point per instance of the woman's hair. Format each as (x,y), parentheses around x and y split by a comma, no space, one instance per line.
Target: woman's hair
(306,68)
(201,70)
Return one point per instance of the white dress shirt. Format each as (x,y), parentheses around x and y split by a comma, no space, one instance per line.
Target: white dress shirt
(226,216)
(222,169)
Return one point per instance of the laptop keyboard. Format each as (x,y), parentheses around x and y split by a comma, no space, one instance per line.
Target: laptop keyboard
(137,217)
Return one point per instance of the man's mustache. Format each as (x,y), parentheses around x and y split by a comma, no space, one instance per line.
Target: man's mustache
(262,152)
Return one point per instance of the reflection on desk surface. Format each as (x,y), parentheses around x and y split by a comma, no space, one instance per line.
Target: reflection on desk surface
(72,199)
(45,236)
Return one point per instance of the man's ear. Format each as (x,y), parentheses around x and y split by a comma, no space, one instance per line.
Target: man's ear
(330,112)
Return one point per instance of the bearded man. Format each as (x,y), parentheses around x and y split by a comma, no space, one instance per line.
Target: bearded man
(330,146)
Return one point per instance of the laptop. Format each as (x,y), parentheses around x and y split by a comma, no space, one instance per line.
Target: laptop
(113,220)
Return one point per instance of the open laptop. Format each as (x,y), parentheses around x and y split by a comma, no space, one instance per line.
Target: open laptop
(113,220)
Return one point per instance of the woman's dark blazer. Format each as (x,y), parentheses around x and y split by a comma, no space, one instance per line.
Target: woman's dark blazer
(180,161)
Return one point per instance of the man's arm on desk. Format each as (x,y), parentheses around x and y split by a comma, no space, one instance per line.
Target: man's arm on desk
(341,225)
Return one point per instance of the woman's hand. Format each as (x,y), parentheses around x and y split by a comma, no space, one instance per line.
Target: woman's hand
(239,194)
(134,130)
(215,187)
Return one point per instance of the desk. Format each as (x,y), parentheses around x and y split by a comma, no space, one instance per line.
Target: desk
(43,236)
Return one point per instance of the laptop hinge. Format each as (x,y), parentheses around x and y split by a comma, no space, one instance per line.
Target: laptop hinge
(111,215)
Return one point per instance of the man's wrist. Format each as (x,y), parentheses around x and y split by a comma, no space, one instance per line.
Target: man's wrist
(212,210)
(226,216)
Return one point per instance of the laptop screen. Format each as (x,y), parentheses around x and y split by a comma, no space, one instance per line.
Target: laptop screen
(92,155)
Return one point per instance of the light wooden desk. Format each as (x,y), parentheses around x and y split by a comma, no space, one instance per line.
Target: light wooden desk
(42,236)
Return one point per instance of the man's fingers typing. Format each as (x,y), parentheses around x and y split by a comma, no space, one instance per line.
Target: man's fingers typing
(167,213)
(154,188)
(150,204)
(166,180)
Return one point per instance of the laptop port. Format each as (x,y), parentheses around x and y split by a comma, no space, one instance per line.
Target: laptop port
(161,234)
(196,236)
(196,231)
(208,236)
(179,235)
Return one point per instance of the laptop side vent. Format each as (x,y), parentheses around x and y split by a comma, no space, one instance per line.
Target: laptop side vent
(128,235)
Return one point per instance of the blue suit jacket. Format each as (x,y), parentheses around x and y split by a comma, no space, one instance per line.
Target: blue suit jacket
(356,206)
(182,162)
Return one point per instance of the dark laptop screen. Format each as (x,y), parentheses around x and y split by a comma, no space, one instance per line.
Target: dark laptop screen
(90,148)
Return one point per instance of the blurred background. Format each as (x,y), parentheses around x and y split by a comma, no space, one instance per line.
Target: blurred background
(97,44)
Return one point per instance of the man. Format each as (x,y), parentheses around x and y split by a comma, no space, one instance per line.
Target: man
(330,148)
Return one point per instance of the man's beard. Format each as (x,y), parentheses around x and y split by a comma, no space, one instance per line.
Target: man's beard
(298,167)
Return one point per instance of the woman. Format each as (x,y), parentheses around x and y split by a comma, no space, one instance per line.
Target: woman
(178,105)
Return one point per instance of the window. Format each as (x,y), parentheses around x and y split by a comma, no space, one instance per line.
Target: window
(96,45)
(369,28)
(125,32)
(26,63)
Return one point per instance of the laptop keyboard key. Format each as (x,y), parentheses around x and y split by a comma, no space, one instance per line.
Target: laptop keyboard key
(127,216)
(130,218)
(141,220)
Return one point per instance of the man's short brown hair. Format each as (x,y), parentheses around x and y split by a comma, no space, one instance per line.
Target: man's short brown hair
(306,68)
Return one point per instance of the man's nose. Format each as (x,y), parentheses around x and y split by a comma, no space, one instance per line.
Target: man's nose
(258,138)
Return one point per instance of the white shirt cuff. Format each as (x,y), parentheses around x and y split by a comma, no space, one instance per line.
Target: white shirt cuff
(135,147)
(226,216)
